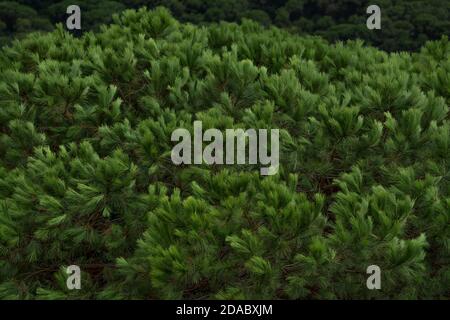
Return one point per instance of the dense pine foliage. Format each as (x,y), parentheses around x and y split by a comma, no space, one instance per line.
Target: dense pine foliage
(86,176)
(406,24)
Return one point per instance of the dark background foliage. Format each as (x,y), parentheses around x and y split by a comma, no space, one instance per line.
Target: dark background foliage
(406,24)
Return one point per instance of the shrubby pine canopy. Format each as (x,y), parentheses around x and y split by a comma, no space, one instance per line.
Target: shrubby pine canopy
(86,176)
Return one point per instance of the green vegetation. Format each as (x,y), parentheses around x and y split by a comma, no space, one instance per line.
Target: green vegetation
(86,176)
(406,24)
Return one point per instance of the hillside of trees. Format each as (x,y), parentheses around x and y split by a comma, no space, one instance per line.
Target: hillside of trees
(86,176)
(406,24)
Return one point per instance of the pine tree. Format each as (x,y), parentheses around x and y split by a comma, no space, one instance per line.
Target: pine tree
(86,176)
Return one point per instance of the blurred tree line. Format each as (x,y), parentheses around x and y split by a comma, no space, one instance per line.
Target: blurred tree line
(406,24)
